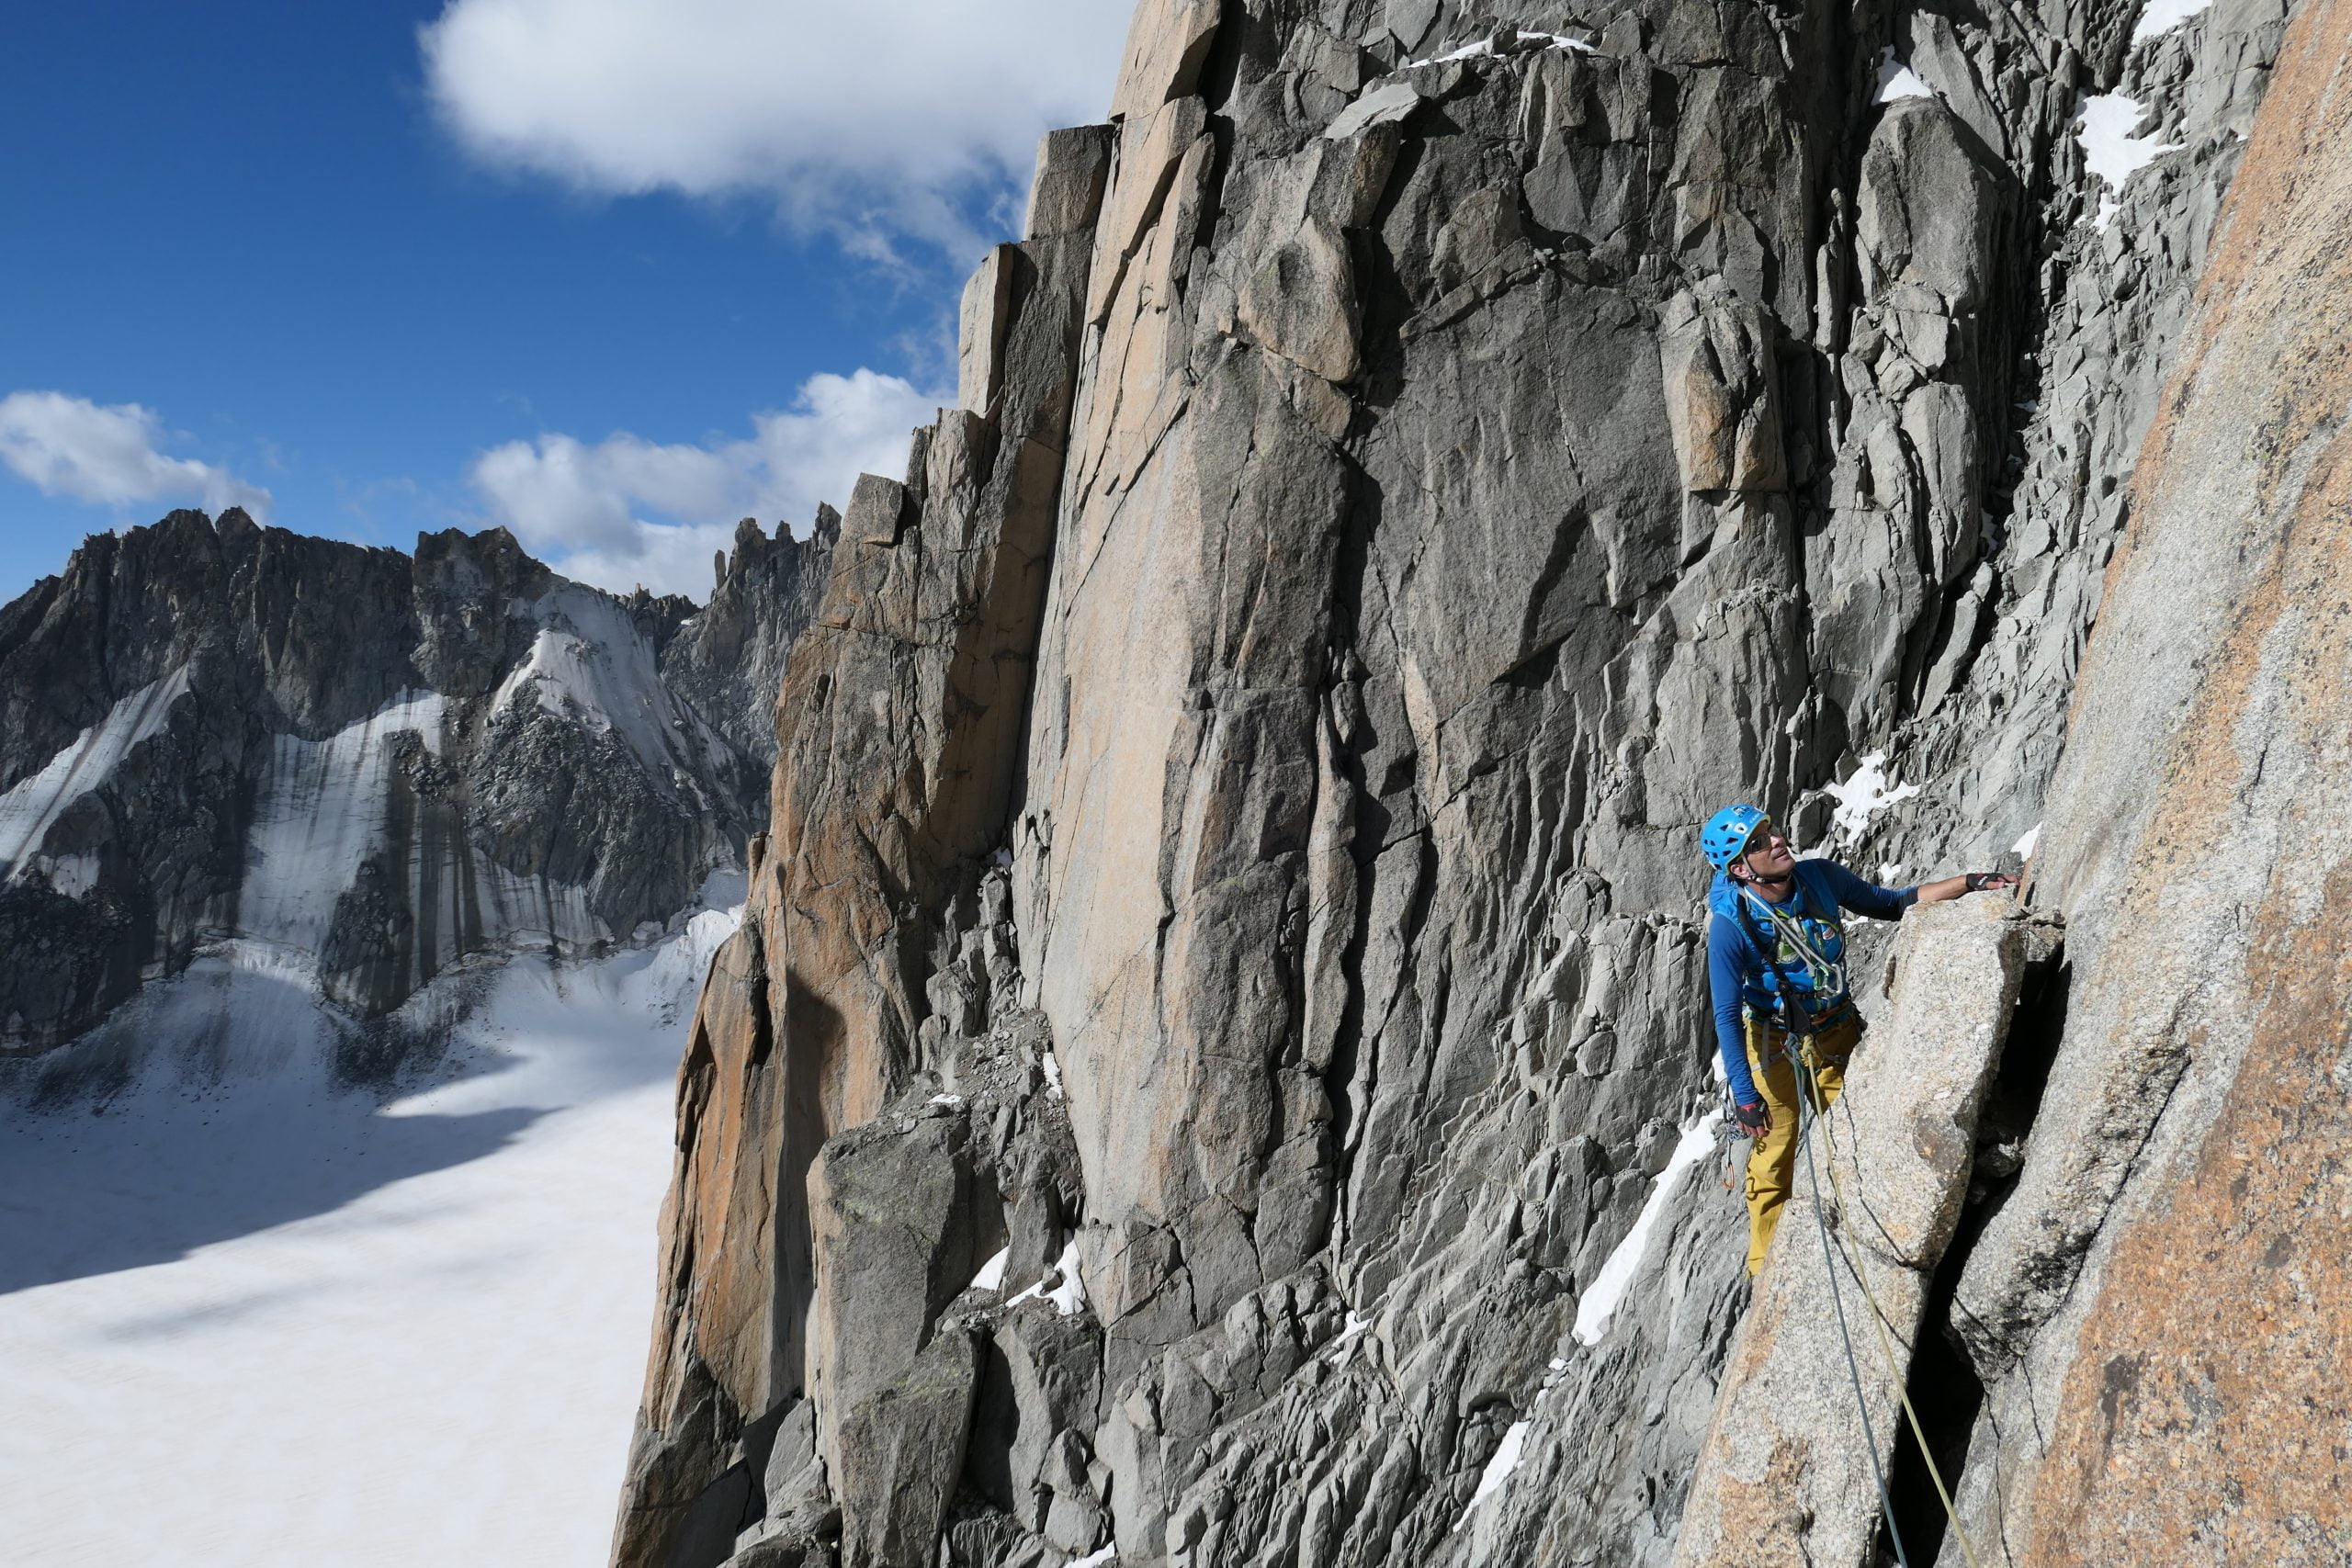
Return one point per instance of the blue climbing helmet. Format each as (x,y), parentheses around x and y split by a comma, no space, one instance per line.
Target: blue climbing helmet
(1727,832)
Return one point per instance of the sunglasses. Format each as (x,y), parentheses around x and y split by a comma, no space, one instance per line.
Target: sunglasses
(1766,831)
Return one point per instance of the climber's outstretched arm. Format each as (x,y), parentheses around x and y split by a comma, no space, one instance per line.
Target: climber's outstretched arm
(1968,882)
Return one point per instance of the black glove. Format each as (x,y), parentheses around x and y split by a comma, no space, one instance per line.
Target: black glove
(1978,881)
(1754,1120)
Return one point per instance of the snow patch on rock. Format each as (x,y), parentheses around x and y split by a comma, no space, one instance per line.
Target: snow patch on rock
(1898,81)
(1484,47)
(1869,791)
(1506,1459)
(1599,1303)
(991,1274)
(1067,1296)
(2104,127)
(2160,17)
(33,806)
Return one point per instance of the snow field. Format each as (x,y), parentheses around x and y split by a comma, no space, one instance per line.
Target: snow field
(431,1353)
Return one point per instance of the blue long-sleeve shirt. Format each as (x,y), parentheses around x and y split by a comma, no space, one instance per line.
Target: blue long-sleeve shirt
(1739,972)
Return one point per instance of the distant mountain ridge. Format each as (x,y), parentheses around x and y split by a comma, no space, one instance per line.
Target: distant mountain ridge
(353,768)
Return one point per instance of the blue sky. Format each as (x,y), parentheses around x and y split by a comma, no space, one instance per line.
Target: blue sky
(612,272)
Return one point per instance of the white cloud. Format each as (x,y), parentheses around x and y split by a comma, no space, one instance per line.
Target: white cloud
(868,120)
(107,454)
(627,511)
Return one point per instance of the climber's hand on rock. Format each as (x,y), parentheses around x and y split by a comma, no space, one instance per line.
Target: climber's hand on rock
(1754,1120)
(1986,881)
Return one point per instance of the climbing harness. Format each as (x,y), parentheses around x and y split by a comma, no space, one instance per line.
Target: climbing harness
(1825,975)
(1808,1100)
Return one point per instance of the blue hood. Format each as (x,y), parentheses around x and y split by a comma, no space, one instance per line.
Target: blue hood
(1723,896)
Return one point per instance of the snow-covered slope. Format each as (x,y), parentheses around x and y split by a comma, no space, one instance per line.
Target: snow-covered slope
(30,810)
(271,1322)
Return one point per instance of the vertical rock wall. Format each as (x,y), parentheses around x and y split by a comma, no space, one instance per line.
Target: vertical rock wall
(900,723)
(2160,1311)
(1234,886)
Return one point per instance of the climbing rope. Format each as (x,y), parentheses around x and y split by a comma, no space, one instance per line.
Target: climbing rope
(1809,1099)
(1838,1300)
(1811,1113)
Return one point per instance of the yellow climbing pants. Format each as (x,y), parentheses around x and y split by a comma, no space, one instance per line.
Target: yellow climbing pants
(1773,1163)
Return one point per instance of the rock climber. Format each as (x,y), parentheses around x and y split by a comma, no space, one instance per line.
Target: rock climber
(1776,962)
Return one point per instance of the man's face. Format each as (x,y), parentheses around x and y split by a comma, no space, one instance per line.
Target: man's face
(1767,854)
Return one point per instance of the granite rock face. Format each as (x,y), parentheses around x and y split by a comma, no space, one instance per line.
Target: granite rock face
(878,929)
(2160,1311)
(353,770)
(1235,858)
